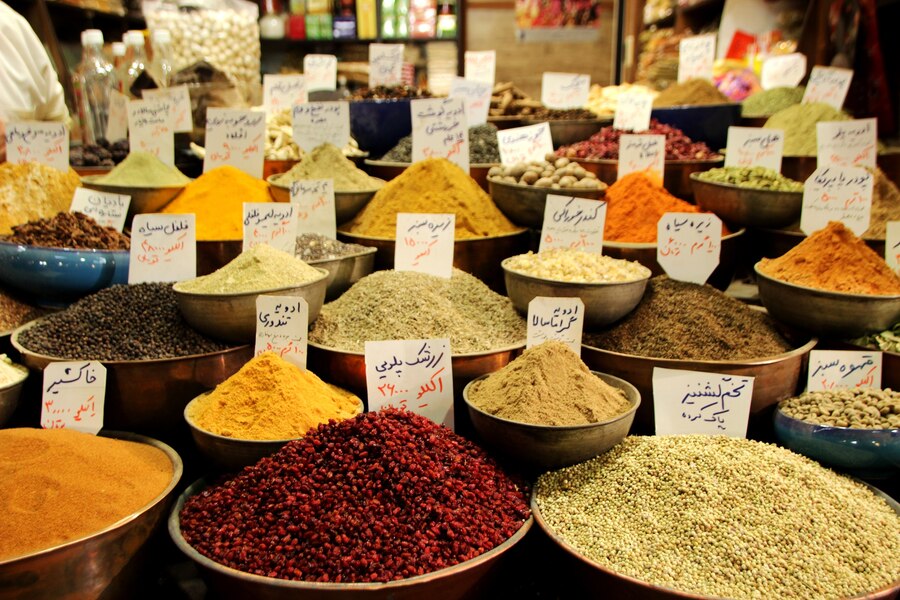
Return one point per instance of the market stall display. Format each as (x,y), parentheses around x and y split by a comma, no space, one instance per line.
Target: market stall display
(749,196)
(12,376)
(346,263)
(45,191)
(149,182)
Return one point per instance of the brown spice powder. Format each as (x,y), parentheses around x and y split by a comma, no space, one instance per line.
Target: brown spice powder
(31,191)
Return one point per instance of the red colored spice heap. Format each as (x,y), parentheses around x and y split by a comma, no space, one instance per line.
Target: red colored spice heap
(380,497)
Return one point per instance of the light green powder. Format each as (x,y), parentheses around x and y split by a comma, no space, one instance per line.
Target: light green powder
(142,169)
(766,103)
(328,162)
(799,125)
(260,268)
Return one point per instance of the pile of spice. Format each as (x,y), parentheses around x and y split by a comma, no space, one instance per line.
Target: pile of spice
(834,259)
(33,190)
(758,178)
(327,161)
(10,372)
(435,185)
(604,144)
(350,502)
(766,103)
(693,92)
(548,385)
(260,268)
(217,198)
(62,485)
(799,124)
(507,100)
(483,147)
(603,100)
(724,517)
(886,341)
(859,408)
(69,230)
(14,313)
(576,266)
(553,172)
(143,169)
(270,398)
(313,247)
(122,322)
(686,321)
(383,92)
(280,144)
(562,114)
(405,305)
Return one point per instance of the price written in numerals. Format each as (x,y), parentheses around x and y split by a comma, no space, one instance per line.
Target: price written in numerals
(73,396)
(575,223)
(847,143)
(754,147)
(235,138)
(524,144)
(439,130)
(689,245)
(425,243)
(281,92)
(35,141)
(163,248)
(270,223)
(642,154)
(695,402)
(281,327)
(828,85)
(841,370)
(837,194)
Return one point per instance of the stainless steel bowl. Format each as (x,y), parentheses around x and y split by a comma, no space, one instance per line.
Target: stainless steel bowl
(453,582)
(346,204)
(554,447)
(100,565)
(747,207)
(9,399)
(143,199)
(345,271)
(232,317)
(604,303)
(569,131)
(385,169)
(524,204)
(676,173)
(827,313)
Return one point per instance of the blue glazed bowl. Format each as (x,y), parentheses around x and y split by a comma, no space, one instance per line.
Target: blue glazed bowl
(708,123)
(56,277)
(865,453)
(377,125)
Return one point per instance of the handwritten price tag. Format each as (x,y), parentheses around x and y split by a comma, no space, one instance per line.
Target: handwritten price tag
(892,245)
(281,92)
(565,90)
(847,143)
(425,243)
(180,98)
(117,118)
(317,123)
(695,402)
(644,154)
(73,396)
(633,111)
(106,208)
(524,144)
(439,130)
(843,370)
(481,66)
(236,138)
(689,245)
(575,223)
(282,323)
(829,85)
(786,70)
(38,141)
(755,147)
(272,223)
(150,128)
(314,199)
(163,248)
(415,375)
(837,194)
(477,98)
(385,64)
(320,71)
(560,319)
(696,56)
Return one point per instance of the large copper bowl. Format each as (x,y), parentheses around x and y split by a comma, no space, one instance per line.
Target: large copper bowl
(212,255)
(569,131)
(388,170)
(676,174)
(524,205)
(800,168)
(772,243)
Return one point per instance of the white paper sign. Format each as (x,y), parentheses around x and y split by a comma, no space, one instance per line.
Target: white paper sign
(439,130)
(150,128)
(272,223)
(843,370)
(575,223)
(642,153)
(785,70)
(524,144)
(320,71)
(281,92)
(892,245)
(317,123)
(695,402)
(163,248)
(689,245)
(847,143)
(38,141)
(385,64)
(117,118)
(481,66)
(829,85)
(565,90)
(106,208)
(477,98)
(425,243)
(837,194)
(180,97)
(282,323)
(755,147)
(314,199)
(236,138)
(696,56)
(73,396)
(560,319)
(415,375)
(633,111)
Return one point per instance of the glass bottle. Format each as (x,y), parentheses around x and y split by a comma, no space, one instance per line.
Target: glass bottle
(94,80)
(118,52)
(161,65)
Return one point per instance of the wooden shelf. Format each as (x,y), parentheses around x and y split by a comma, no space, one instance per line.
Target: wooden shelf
(287,43)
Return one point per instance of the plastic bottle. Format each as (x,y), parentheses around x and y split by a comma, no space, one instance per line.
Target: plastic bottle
(135,58)
(161,66)
(94,80)
(118,52)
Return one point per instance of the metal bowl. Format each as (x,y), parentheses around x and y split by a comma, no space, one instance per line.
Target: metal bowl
(646,255)
(707,123)
(212,255)
(378,124)
(453,582)
(827,313)
(388,170)
(232,317)
(524,204)
(345,271)
(772,243)
(346,204)
(144,199)
(747,207)
(604,303)
(505,121)
(9,399)
(676,173)
(277,167)
(103,564)
(800,168)
(569,131)
(554,447)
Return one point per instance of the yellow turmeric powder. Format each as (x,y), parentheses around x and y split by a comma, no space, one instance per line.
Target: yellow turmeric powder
(434,185)
(217,198)
(270,398)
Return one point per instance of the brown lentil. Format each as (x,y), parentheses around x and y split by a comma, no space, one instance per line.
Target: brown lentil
(69,230)
(14,313)
(859,408)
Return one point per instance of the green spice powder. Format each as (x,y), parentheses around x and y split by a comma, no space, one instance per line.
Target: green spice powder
(799,125)
(260,268)
(142,169)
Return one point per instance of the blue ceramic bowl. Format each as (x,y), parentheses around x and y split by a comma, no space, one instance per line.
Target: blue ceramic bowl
(56,277)
(708,123)
(377,125)
(865,453)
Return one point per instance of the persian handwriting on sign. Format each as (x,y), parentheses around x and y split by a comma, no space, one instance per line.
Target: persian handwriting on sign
(696,56)
(151,129)
(106,208)
(837,194)
(439,130)
(642,153)
(524,144)
(412,374)
(282,92)
(847,143)
(180,99)
(892,245)
(560,319)
(317,123)
(271,223)
(480,66)
(695,402)
(476,96)
(73,396)
(38,141)
(786,70)
(163,248)
(314,199)
(320,71)
(385,64)
(754,147)
(565,90)
(828,85)
(236,138)
(843,369)
(633,111)
(425,243)
(117,119)
(689,245)
(575,223)
(281,327)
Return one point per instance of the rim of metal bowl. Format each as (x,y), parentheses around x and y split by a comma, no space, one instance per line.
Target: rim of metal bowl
(677,162)
(520,186)
(283,186)
(393,163)
(92,179)
(696,106)
(322,275)
(821,292)
(529,120)
(99,251)
(649,245)
(455,241)
(578,284)
(822,427)
(322,261)
(731,186)
(510,348)
(386,100)
(177,470)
